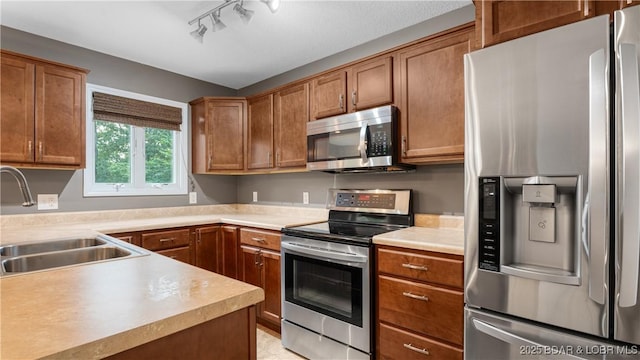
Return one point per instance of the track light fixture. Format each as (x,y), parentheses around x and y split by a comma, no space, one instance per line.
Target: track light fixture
(214,14)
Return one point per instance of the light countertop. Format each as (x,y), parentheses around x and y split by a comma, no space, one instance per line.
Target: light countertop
(444,240)
(96,310)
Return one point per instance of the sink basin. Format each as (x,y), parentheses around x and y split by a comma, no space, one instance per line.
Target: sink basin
(24,258)
(61,258)
(41,247)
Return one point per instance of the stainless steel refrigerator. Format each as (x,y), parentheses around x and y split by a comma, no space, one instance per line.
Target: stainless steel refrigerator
(552,173)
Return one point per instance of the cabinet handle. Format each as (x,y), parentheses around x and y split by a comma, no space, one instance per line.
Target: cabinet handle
(353,99)
(341,101)
(418,350)
(40,149)
(209,163)
(586,8)
(30,147)
(414,296)
(166,240)
(415,267)
(404,145)
(258,239)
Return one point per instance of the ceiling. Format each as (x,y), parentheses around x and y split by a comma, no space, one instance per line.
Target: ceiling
(157,33)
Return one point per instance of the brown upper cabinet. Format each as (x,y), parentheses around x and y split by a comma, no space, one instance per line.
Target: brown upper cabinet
(431,93)
(361,86)
(42,107)
(278,128)
(498,21)
(218,133)
(291,114)
(260,133)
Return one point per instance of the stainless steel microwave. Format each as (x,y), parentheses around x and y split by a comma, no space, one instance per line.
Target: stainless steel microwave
(363,141)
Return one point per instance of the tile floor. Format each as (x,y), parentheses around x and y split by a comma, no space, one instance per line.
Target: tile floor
(269,346)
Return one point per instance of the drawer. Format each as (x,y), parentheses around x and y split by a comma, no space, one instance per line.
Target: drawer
(181,254)
(165,239)
(395,343)
(425,309)
(262,238)
(420,266)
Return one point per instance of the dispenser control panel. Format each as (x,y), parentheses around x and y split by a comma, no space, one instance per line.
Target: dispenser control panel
(489,232)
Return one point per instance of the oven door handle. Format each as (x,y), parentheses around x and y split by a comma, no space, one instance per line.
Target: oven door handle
(333,256)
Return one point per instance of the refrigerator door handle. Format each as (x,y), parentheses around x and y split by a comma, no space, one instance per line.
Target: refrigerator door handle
(629,192)
(514,339)
(596,190)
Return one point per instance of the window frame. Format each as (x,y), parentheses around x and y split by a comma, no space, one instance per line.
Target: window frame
(138,187)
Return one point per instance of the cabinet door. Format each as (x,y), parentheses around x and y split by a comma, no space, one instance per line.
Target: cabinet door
(208,248)
(270,262)
(230,251)
(17,109)
(371,84)
(291,117)
(328,94)
(59,116)
(224,130)
(432,99)
(251,270)
(260,133)
(498,21)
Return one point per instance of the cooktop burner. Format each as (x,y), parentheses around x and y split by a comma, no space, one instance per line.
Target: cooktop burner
(356,216)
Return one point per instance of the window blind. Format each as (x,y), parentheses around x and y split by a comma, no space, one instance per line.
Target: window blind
(107,107)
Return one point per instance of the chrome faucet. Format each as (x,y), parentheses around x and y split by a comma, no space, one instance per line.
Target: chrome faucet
(22,183)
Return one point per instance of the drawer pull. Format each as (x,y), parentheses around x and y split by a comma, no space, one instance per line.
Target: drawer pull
(421,351)
(414,296)
(415,267)
(167,240)
(258,239)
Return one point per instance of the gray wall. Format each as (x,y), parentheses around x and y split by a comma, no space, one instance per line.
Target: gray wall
(438,189)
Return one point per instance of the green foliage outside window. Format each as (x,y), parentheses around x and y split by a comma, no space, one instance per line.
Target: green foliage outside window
(159,156)
(113,152)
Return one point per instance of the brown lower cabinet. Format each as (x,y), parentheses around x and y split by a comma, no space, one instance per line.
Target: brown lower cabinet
(420,304)
(261,267)
(232,336)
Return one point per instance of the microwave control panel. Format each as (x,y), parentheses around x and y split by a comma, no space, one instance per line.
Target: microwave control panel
(379,143)
(489,232)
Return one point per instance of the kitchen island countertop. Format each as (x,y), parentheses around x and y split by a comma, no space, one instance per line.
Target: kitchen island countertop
(96,310)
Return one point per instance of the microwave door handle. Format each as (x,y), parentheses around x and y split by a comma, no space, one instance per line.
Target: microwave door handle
(597,183)
(630,166)
(514,339)
(363,143)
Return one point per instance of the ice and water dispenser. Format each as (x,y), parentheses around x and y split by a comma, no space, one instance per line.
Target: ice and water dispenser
(529,227)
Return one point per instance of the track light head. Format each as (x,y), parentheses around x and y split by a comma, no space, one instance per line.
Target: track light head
(245,14)
(273,5)
(217,23)
(198,33)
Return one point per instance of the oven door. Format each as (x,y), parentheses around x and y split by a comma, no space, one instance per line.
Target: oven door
(325,288)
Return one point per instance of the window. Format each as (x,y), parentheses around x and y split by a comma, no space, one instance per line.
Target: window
(130,155)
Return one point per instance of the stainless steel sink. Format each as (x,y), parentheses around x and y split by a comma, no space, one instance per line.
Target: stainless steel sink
(41,247)
(38,256)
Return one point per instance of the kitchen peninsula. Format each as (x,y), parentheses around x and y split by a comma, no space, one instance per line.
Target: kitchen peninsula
(132,307)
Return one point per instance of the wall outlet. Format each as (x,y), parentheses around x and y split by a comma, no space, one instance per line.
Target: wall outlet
(47,201)
(255,196)
(305,197)
(193,197)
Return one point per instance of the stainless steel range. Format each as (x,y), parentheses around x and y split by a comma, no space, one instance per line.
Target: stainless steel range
(327,269)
